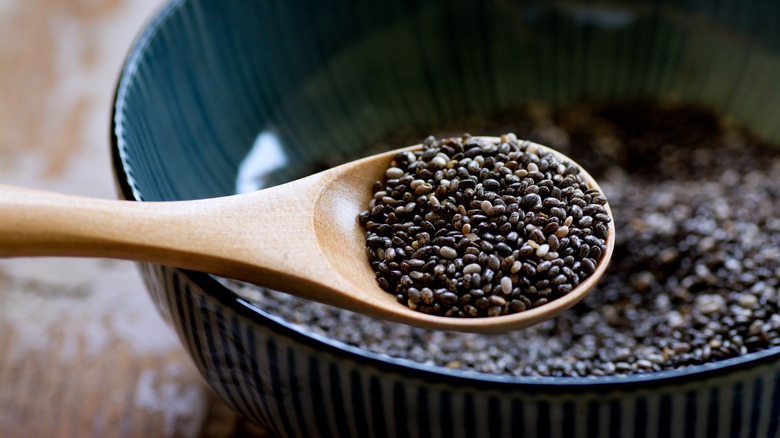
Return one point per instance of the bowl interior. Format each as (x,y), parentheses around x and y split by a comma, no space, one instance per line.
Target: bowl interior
(224,97)
(231,96)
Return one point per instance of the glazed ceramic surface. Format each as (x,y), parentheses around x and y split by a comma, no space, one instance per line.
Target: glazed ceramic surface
(233,95)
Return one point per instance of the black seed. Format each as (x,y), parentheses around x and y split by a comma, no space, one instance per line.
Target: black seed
(588,265)
(448,299)
(531,201)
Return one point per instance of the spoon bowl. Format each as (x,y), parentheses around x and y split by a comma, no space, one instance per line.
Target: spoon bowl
(307,241)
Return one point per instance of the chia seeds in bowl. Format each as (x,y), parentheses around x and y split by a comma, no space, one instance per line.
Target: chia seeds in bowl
(695,270)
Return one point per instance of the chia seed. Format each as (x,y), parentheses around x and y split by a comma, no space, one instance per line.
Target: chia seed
(696,203)
(453,182)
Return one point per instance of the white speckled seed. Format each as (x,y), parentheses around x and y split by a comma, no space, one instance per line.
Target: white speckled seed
(521,173)
(439,162)
(447,252)
(394,173)
(472,268)
(506,285)
(748,300)
(707,304)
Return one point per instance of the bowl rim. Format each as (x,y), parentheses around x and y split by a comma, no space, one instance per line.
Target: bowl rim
(296,333)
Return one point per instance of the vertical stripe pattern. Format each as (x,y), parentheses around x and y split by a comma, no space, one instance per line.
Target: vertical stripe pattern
(298,389)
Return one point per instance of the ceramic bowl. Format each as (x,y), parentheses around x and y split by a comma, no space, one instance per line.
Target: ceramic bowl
(211,85)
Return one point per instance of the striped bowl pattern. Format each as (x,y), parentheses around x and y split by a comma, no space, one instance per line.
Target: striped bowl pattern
(206,77)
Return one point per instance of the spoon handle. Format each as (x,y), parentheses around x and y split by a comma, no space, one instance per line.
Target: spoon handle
(247,237)
(41,223)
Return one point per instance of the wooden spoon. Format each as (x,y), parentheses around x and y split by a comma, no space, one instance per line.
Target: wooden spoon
(302,238)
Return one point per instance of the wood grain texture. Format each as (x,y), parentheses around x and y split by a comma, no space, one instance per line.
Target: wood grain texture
(83,352)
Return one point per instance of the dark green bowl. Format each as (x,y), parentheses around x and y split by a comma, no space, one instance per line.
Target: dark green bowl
(305,84)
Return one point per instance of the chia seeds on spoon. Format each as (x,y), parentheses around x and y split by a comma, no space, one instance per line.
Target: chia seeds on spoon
(695,271)
(470,227)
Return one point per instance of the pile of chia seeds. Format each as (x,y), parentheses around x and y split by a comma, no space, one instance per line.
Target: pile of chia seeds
(471,227)
(694,275)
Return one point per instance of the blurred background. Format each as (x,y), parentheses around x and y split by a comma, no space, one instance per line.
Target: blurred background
(83,352)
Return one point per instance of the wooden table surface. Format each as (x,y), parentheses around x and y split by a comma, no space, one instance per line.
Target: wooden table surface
(82,350)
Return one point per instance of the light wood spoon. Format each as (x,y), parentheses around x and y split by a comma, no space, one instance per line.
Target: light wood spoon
(302,238)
